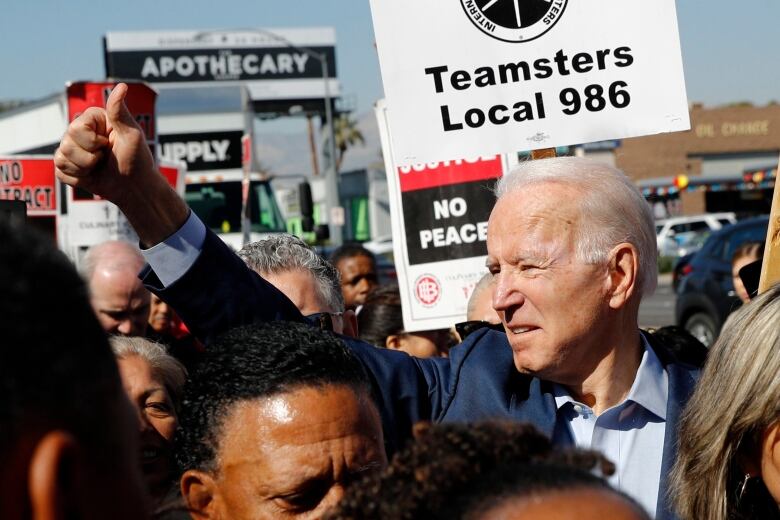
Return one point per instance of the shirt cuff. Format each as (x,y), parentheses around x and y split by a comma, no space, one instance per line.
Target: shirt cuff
(172,258)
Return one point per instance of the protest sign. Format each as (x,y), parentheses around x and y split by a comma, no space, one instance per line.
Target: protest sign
(439,214)
(501,76)
(770,268)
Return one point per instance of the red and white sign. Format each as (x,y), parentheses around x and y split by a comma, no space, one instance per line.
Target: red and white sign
(439,214)
(30,179)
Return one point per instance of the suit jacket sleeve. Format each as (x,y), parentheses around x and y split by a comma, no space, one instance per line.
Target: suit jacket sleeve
(219,292)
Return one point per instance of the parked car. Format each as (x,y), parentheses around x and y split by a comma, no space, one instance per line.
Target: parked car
(674,233)
(705,296)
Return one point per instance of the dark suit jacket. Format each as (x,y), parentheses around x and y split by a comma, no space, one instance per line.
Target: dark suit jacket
(478,381)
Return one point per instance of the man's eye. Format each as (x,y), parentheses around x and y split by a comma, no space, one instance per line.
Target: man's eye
(306,500)
(158,408)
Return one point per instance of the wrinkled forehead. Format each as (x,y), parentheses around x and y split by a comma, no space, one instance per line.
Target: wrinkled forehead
(540,218)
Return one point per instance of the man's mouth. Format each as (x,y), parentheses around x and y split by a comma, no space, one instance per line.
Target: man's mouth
(521,330)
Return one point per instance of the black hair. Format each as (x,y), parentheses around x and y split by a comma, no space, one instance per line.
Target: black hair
(349,251)
(460,470)
(56,368)
(381,315)
(253,362)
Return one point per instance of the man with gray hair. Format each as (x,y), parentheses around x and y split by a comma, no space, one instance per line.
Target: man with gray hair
(307,279)
(118,297)
(572,251)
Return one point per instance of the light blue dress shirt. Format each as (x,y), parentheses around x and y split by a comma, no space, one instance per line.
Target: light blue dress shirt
(630,434)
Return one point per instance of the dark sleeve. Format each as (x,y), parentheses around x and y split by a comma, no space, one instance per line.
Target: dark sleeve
(220,292)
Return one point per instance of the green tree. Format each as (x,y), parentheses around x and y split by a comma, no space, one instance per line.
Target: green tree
(348,135)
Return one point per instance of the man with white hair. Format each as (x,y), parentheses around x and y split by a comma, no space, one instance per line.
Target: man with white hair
(307,279)
(571,250)
(119,299)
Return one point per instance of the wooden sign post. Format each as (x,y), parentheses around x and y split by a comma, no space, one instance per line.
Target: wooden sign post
(770,269)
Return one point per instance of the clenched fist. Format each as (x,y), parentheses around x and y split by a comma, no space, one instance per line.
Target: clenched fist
(104,151)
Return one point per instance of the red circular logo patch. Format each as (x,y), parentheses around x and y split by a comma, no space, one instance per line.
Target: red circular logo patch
(427,289)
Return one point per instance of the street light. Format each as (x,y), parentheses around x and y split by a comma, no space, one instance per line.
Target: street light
(331,175)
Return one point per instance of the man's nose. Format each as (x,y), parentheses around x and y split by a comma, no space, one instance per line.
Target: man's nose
(505,293)
(125,327)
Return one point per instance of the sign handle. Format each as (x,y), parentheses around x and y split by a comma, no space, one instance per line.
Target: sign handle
(543,153)
(770,268)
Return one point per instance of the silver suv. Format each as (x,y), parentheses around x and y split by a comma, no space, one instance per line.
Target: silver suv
(673,233)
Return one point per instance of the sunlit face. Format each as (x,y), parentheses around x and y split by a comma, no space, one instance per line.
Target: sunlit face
(301,288)
(358,278)
(770,460)
(739,287)
(120,301)
(292,455)
(575,504)
(554,307)
(157,418)
(160,315)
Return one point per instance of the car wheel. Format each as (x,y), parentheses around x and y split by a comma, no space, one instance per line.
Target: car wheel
(702,327)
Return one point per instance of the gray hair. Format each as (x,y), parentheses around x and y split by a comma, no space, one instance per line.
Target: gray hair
(612,208)
(115,255)
(285,252)
(736,399)
(165,366)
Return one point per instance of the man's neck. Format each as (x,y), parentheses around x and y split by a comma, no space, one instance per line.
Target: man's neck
(611,380)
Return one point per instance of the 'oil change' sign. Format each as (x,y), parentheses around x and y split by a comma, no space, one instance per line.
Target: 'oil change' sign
(508,75)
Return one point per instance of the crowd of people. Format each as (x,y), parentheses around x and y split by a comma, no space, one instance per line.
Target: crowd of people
(182,380)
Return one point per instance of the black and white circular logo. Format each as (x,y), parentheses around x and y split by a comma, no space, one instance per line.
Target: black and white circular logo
(514,20)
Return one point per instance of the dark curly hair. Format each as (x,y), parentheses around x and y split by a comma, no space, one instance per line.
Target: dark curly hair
(459,470)
(350,251)
(252,362)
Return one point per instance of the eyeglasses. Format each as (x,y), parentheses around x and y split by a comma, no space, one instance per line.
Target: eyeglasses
(464,328)
(322,320)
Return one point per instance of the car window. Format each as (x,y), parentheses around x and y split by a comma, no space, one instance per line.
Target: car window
(680,228)
(658,228)
(740,236)
(699,226)
(724,221)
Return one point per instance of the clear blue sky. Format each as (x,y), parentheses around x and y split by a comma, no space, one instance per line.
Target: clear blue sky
(731,50)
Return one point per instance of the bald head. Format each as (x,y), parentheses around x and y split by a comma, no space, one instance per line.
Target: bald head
(480,306)
(118,297)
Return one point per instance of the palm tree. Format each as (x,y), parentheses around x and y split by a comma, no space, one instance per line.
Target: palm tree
(347,136)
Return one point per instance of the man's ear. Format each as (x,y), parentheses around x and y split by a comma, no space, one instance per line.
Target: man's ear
(770,457)
(55,472)
(199,492)
(350,323)
(393,342)
(623,271)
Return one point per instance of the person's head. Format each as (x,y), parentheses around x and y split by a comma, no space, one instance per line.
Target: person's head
(160,315)
(68,440)
(293,267)
(357,266)
(480,305)
(154,382)
(745,254)
(120,300)
(571,246)
(277,419)
(730,429)
(485,470)
(381,323)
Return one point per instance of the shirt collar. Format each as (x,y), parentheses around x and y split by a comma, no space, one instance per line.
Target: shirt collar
(650,389)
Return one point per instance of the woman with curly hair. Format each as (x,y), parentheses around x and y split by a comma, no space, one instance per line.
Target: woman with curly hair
(487,471)
(729,458)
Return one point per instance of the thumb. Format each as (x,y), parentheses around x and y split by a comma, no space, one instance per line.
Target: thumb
(119,117)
